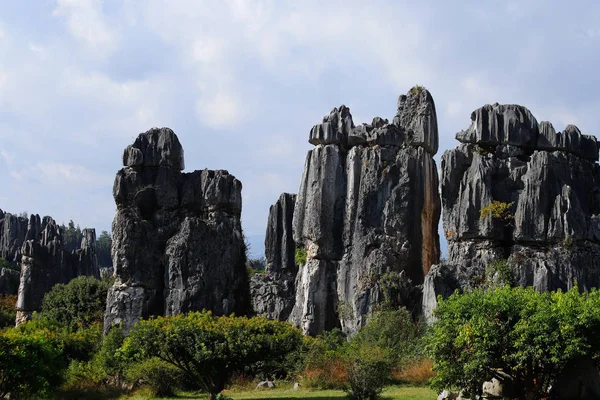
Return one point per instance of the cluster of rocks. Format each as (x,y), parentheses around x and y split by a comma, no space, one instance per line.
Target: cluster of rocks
(545,186)
(36,248)
(364,221)
(177,237)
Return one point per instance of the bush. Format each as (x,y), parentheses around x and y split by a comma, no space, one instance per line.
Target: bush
(105,368)
(368,369)
(80,345)
(526,335)
(210,350)
(80,303)
(389,340)
(324,366)
(301,256)
(30,365)
(8,311)
(159,376)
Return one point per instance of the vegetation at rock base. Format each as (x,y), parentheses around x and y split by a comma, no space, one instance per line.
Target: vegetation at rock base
(515,332)
(209,350)
(79,303)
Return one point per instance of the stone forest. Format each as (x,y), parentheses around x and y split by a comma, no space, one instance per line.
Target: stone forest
(511,312)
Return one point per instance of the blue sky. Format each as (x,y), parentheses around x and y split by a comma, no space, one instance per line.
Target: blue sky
(241,82)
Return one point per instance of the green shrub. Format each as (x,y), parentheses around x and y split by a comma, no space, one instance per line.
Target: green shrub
(6,264)
(159,376)
(388,341)
(527,335)
(323,366)
(78,345)
(368,368)
(8,311)
(30,365)
(80,303)
(301,256)
(392,330)
(104,369)
(209,350)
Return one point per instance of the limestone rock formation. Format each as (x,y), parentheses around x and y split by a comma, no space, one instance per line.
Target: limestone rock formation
(366,215)
(273,293)
(12,235)
(177,238)
(518,193)
(45,262)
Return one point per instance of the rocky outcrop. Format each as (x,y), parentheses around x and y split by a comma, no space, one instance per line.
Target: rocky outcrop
(177,238)
(516,193)
(12,235)
(45,262)
(366,215)
(273,293)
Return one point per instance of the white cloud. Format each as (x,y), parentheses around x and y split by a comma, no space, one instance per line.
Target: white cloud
(221,111)
(56,174)
(8,157)
(87,24)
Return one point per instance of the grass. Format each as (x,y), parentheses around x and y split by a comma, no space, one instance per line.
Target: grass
(390,393)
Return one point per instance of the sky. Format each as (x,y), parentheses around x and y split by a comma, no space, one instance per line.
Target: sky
(241,82)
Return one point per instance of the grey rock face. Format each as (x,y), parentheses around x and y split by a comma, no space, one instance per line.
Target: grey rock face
(177,237)
(273,293)
(45,262)
(12,235)
(416,114)
(366,215)
(547,183)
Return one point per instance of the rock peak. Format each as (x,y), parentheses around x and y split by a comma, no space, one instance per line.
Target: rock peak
(156,147)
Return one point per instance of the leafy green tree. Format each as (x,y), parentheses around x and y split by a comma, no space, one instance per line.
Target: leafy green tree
(30,365)
(103,246)
(515,332)
(208,349)
(161,377)
(80,303)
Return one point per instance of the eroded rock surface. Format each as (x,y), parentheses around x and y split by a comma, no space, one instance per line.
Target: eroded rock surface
(544,225)
(273,293)
(45,262)
(366,215)
(177,238)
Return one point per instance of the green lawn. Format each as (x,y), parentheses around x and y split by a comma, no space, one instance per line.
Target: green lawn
(390,393)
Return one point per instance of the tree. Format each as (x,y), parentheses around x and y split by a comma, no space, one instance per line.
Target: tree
(30,366)
(208,349)
(103,249)
(80,303)
(387,341)
(514,334)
